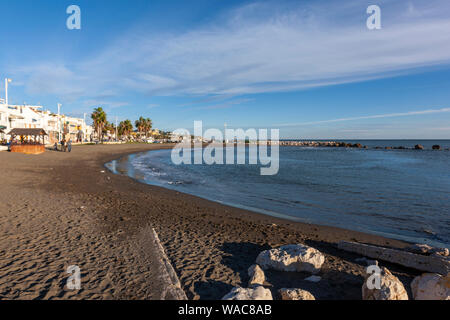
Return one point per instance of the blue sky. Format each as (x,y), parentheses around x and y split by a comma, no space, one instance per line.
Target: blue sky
(310,68)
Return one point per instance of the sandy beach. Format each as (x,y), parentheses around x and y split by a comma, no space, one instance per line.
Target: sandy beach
(59,209)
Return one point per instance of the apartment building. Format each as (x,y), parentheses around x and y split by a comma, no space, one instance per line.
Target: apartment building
(56,127)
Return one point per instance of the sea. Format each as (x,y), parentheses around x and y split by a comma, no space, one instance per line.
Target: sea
(400,194)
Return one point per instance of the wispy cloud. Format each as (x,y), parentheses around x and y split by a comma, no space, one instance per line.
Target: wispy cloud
(378,116)
(226,105)
(262,47)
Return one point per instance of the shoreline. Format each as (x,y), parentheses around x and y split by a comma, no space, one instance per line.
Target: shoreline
(269,213)
(210,245)
(275,215)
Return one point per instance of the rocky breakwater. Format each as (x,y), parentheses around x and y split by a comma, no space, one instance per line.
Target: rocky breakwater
(340,144)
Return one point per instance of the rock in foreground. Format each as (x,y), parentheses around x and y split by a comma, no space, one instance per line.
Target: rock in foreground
(390,288)
(295,294)
(292,257)
(256,275)
(431,286)
(258,293)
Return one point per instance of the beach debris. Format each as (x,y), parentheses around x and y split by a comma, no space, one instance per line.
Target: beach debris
(292,257)
(427,250)
(257,293)
(419,248)
(419,262)
(170,281)
(295,294)
(431,286)
(256,275)
(313,278)
(429,231)
(443,252)
(390,287)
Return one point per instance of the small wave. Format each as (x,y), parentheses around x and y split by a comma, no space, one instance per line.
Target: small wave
(178,182)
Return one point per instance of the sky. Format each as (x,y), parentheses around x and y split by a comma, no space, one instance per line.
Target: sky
(310,68)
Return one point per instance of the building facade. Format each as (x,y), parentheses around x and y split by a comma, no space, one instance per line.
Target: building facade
(57,127)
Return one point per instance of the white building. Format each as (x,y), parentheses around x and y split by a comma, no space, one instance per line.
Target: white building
(57,127)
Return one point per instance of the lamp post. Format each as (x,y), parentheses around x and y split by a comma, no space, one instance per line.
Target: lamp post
(7,81)
(116,130)
(59,122)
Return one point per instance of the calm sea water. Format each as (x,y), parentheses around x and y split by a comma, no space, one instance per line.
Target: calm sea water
(403,194)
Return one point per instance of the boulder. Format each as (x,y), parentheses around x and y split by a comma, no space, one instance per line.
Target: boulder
(390,287)
(418,147)
(257,293)
(295,294)
(431,286)
(292,257)
(436,147)
(256,275)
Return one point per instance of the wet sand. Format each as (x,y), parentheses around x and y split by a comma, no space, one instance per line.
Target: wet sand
(59,209)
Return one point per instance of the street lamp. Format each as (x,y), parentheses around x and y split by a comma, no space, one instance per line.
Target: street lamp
(59,122)
(7,81)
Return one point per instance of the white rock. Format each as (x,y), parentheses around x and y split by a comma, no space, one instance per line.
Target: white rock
(256,275)
(313,279)
(295,294)
(258,293)
(390,287)
(431,286)
(292,257)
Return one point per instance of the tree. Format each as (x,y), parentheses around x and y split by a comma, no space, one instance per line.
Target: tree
(144,126)
(140,123)
(125,128)
(147,126)
(99,118)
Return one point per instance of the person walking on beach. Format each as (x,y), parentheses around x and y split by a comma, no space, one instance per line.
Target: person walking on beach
(63,146)
(69,145)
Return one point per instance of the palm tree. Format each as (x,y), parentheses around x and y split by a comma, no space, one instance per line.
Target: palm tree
(144,126)
(140,123)
(109,128)
(125,128)
(99,118)
(147,126)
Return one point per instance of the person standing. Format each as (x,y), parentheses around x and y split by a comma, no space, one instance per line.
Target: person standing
(69,145)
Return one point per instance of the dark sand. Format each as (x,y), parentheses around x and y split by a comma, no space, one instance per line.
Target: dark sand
(59,209)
